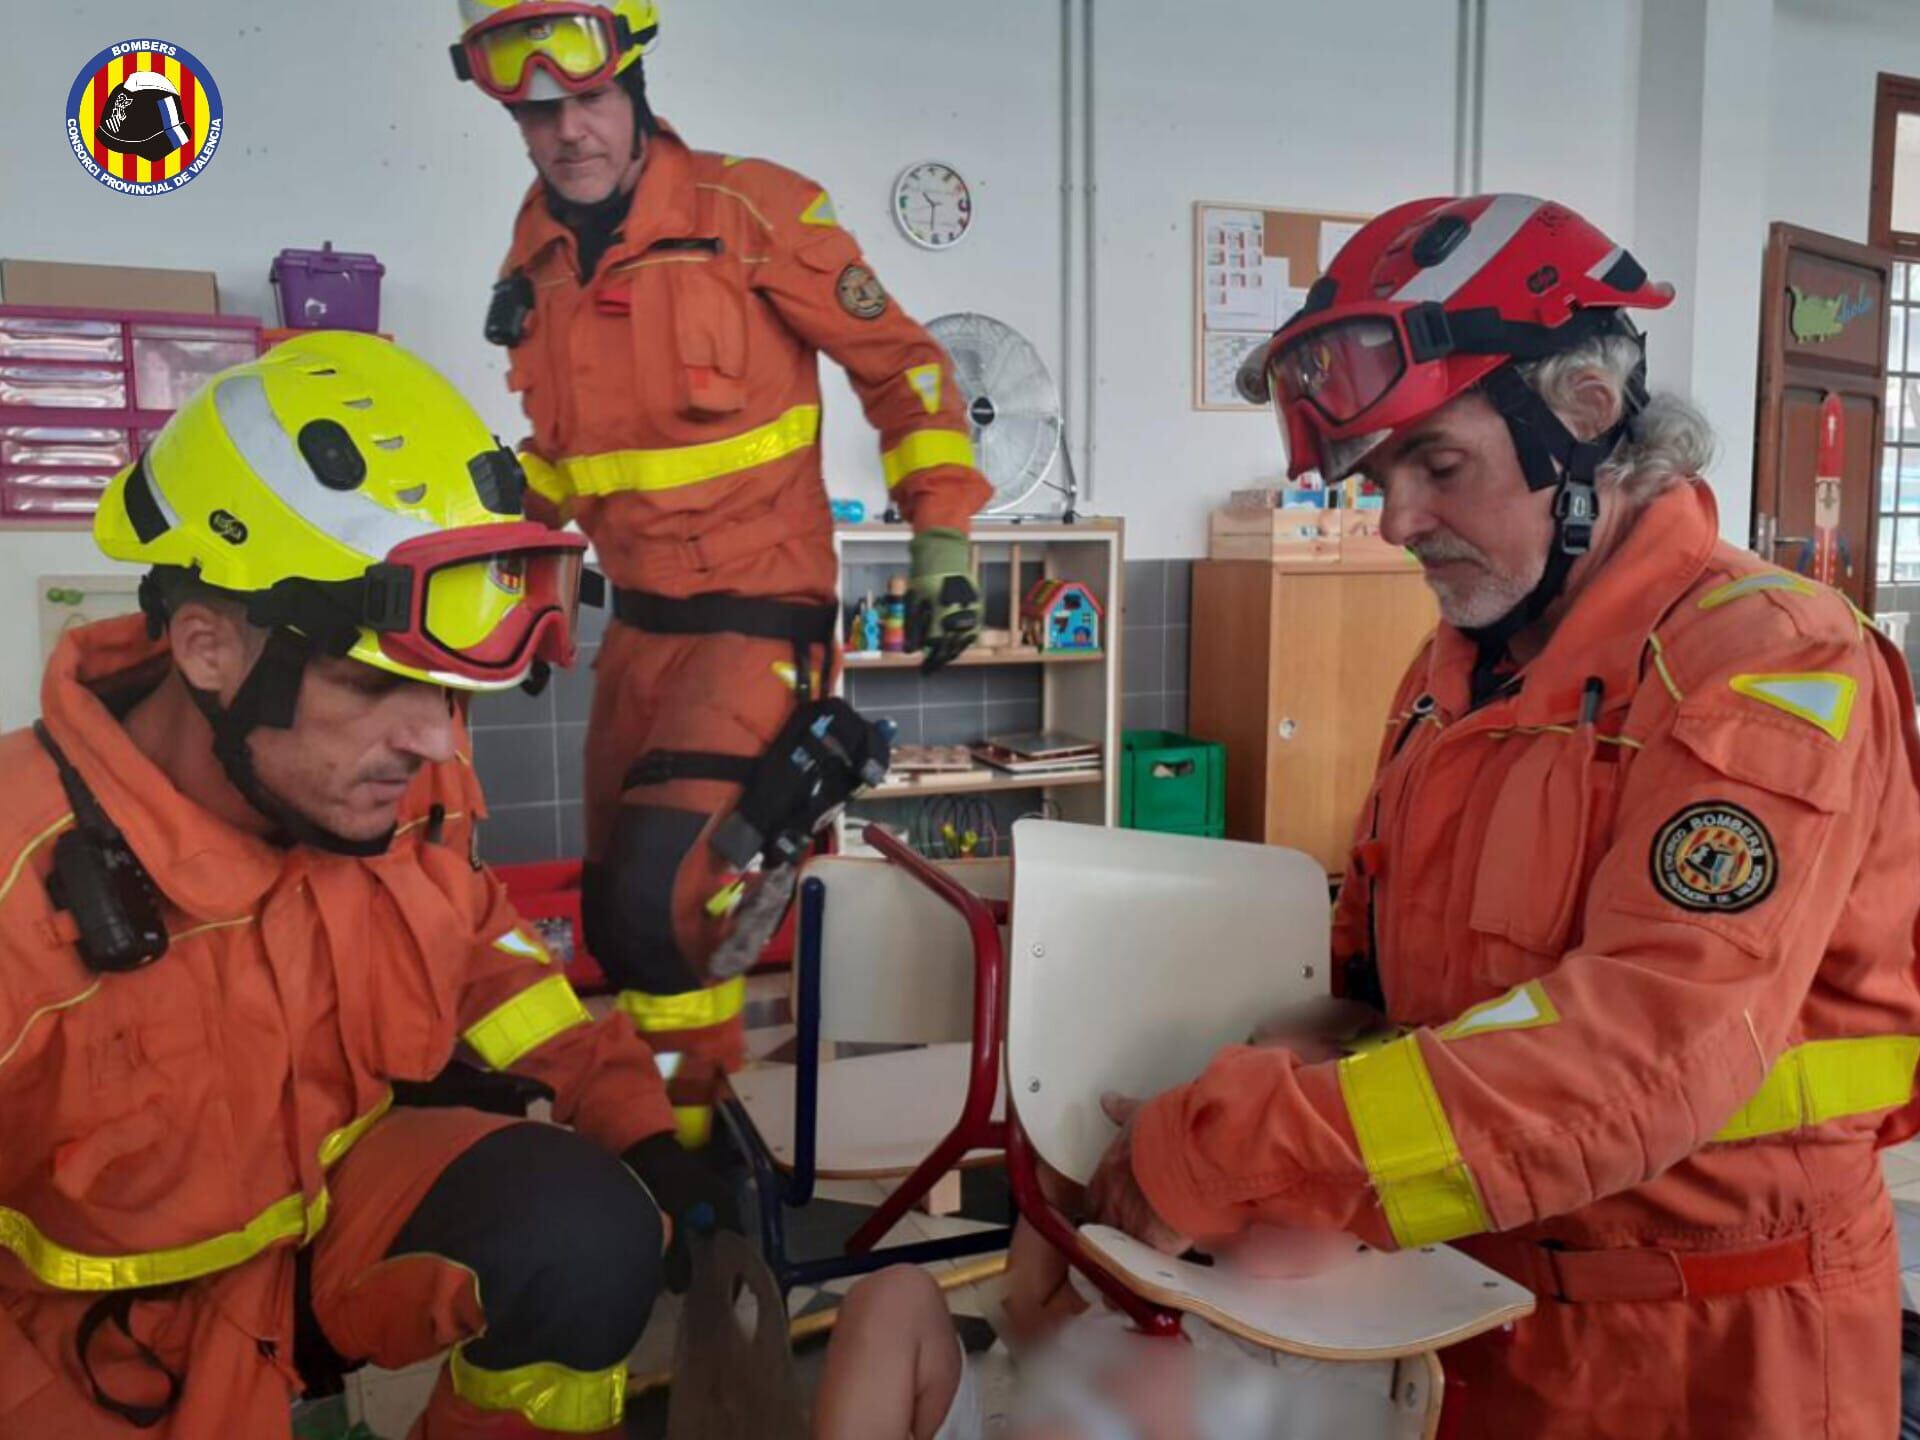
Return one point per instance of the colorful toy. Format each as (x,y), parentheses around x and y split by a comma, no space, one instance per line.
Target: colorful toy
(1061,615)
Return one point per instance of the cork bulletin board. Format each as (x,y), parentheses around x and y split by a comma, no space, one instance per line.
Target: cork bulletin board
(1251,270)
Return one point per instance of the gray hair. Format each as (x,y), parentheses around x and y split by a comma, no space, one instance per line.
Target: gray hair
(1668,442)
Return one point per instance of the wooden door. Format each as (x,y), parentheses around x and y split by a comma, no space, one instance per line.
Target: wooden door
(1823,331)
(1343,642)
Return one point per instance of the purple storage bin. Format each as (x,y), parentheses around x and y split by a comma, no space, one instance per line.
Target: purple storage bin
(327,289)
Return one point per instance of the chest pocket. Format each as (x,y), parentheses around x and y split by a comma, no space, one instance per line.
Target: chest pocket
(701,293)
(1546,833)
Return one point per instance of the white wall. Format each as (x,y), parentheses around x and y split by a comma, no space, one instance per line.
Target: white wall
(1826,57)
(1295,103)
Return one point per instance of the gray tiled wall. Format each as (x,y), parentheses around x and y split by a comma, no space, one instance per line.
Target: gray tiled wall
(528,749)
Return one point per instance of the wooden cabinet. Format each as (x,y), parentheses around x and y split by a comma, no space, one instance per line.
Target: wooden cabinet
(1293,671)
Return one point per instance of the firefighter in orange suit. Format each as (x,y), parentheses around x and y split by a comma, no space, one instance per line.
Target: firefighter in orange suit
(242,898)
(664,307)
(1634,884)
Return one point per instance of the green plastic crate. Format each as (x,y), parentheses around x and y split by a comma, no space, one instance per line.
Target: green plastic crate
(1173,783)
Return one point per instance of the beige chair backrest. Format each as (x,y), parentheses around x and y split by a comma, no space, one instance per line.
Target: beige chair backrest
(1135,957)
(896,961)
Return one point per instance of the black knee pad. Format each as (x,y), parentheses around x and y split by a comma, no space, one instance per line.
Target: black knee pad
(626,900)
(565,1240)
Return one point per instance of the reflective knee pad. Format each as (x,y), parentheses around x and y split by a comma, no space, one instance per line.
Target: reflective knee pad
(626,899)
(564,1240)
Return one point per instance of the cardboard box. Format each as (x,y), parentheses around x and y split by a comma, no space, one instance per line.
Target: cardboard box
(1295,533)
(1304,535)
(108,287)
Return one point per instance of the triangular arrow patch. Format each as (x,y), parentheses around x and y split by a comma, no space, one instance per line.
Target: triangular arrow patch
(1823,700)
(820,212)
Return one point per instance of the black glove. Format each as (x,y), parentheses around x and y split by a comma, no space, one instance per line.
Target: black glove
(943,602)
(689,1191)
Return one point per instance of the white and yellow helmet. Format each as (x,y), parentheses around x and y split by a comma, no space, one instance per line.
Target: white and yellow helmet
(517,50)
(343,490)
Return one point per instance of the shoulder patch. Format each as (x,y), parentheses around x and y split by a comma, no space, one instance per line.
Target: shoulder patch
(1754,585)
(820,212)
(1716,858)
(926,382)
(1525,1008)
(1822,699)
(861,294)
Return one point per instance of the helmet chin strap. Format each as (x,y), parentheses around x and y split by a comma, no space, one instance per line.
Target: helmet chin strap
(268,697)
(1551,457)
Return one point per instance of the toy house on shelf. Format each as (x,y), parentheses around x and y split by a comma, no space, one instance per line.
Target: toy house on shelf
(1061,615)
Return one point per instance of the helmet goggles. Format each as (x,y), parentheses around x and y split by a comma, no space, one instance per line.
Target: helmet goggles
(479,606)
(578,45)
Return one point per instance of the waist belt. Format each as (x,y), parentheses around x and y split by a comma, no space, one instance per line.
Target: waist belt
(727,615)
(1589,1276)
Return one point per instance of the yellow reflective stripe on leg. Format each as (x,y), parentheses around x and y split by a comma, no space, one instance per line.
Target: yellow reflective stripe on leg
(693,1126)
(924,449)
(548,1396)
(693,1010)
(679,466)
(1826,1080)
(526,1022)
(1425,1187)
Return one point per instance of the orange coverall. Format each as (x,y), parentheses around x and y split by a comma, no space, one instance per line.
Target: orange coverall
(1655,950)
(676,395)
(200,1119)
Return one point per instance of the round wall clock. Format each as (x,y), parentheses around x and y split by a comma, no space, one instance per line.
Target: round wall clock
(933,205)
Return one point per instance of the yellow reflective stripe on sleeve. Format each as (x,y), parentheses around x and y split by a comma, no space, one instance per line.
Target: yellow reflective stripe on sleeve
(693,1126)
(1822,699)
(1826,1080)
(923,450)
(693,1010)
(680,466)
(526,1022)
(1754,585)
(926,381)
(1525,1008)
(547,1396)
(1424,1185)
(292,1218)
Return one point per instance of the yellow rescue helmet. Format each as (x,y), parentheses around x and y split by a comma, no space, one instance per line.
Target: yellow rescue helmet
(344,490)
(517,50)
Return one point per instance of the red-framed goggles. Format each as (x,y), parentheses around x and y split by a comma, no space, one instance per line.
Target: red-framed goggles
(579,46)
(1341,386)
(478,605)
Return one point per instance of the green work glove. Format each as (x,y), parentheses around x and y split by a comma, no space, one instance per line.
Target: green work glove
(943,603)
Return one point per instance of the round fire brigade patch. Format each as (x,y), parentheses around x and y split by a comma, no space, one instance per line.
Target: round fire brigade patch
(1714,857)
(861,293)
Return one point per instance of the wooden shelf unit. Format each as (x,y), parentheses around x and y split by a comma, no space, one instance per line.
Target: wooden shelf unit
(1080,692)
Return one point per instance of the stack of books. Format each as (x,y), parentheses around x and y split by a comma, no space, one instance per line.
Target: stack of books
(1042,752)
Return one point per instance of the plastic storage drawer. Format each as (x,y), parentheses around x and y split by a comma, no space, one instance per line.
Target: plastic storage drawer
(1173,783)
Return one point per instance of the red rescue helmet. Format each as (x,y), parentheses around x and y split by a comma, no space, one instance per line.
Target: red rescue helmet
(1427,301)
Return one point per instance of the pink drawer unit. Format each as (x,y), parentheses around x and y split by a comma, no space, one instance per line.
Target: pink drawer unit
(65,446)
(36,337)
(83,391)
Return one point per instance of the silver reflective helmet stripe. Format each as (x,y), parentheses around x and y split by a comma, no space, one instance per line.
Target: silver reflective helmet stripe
(1497,224)
(1606,262)
(353,520)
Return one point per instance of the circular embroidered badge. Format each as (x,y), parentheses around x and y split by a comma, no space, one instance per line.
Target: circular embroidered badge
(861,294)
(1714,857)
